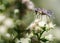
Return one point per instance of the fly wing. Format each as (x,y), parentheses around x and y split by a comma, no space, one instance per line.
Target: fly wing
(49,13)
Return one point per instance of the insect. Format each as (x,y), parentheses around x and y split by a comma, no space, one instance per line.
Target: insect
(38,10)
(43,11)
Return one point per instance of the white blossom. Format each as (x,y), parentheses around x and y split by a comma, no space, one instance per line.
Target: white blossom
(32,25)
(30,35)
(17,41)
(24,40)
(9,22)
(37,20)
(47,27)
(7,35)
(37,29)
(3,29)
(51,25)
(41,23)
(16,11)
(49,37)
(24,1)
(2,17)
(30,5)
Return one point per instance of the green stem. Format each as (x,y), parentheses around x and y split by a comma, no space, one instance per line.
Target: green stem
(41,33)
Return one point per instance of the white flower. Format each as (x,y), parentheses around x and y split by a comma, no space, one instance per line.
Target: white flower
(47,27)
(37,29)
(37,20)
(2,17)
(30,5)
(32,25)
(51,25)
(24,40)
(16,11)
(17,41)
(9,22)
(3,29)
(41,23)
(49,37)
(24,1)
(7,35)
(30,35)
(44,18)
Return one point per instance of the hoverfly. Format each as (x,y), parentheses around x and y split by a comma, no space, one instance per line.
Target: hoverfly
(41,11)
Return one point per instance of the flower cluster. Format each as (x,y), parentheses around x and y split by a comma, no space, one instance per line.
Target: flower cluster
(40,25)
(5,23)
